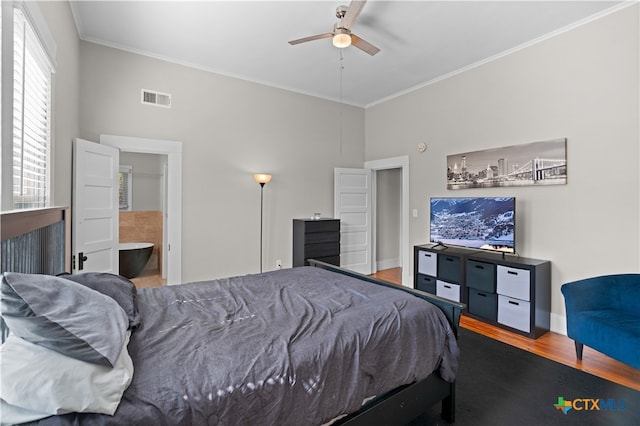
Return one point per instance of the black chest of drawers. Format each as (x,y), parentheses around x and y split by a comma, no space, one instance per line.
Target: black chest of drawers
(316,239)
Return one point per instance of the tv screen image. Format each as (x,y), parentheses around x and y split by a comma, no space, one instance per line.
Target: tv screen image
(481,223)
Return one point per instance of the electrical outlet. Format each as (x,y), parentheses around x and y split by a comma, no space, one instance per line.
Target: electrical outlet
(278,264)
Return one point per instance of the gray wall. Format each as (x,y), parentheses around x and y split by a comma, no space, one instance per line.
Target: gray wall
(230,129)
(147,192)
(66,96)
(388,218)
(582,85)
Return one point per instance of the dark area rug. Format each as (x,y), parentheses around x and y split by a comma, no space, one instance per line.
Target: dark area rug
(499,384)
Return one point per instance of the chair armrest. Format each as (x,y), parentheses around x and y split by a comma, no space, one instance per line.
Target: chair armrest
(619,291)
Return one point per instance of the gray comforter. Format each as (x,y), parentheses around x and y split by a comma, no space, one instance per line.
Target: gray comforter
(291,347)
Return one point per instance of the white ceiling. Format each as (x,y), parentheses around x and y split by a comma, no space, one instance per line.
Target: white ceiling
(420,41)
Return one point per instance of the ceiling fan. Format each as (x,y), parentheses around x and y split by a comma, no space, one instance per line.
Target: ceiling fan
(341,34)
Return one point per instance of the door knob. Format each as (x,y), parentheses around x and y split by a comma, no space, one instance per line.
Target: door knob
(81,259)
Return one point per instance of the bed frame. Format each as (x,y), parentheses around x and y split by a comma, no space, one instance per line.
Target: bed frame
(407,402)
(38,241)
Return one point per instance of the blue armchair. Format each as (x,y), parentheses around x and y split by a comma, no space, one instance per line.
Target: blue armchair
(604,314)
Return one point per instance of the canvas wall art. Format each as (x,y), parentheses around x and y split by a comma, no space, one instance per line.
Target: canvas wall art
(536,163)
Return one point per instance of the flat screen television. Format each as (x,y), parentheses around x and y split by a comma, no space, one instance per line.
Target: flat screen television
(480,223)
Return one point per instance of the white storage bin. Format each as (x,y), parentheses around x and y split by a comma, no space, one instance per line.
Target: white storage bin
(513,282)
(448,290)
(427,263)
(514,313)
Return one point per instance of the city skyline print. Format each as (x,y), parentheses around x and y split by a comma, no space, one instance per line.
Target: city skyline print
(535,163)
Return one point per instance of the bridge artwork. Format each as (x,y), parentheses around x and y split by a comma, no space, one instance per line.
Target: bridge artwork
(536,163)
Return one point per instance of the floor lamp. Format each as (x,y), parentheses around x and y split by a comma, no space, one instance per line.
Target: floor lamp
(261,179)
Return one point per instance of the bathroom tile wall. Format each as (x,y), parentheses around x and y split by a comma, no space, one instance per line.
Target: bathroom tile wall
(143,227)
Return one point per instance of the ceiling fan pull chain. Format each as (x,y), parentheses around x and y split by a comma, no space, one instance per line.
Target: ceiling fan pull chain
(341,106)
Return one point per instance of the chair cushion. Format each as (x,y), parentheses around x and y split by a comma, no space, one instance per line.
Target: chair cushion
(609,331)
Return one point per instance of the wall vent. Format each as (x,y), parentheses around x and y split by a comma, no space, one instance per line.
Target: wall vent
(149,97)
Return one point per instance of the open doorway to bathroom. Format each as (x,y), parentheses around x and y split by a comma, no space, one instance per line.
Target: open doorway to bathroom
(143,206)
(172,219)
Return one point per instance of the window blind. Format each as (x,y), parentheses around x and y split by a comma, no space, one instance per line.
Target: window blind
(31,118)
(125,182)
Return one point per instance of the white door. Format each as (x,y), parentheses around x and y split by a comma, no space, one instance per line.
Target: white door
(352,205)
(95,207)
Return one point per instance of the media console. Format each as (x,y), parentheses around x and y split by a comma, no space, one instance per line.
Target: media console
(508,291)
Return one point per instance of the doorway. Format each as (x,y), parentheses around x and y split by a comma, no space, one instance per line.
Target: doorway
(172,238)
(388,220)
(398,169)
(143,211)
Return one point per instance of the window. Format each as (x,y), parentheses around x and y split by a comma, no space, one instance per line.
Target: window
(125,181)
(28,95)
(31,118)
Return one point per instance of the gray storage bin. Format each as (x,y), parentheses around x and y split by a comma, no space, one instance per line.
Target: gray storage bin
(514,313)
(448,290)
(513,282)
(483,304)
(481,276)
(426,283)
(449,268)
(427,263)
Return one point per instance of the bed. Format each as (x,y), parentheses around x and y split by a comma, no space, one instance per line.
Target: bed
(309,345)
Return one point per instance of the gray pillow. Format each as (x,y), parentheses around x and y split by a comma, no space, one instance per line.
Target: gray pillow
(63,316)
(117,287)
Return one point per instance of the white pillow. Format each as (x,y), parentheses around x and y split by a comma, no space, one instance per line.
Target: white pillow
(38,382)
(11,415)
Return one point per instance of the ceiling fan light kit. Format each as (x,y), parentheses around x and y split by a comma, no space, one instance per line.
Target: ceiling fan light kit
(341,35)
(341,38)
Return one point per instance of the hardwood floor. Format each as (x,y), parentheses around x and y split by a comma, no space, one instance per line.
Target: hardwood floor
(149,278)
(553,346)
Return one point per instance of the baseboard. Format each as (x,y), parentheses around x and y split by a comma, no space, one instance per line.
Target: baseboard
(558,324)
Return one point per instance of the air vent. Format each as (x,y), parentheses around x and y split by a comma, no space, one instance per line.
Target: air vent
(150,97)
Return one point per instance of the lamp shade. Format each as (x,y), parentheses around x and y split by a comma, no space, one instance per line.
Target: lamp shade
(262,178)
(342,38)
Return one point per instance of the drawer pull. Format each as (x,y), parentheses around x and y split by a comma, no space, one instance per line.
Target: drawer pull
(449,259)
(479,266)
(512,273)
(514,303)
(481,294)
(447,286)
(427,255)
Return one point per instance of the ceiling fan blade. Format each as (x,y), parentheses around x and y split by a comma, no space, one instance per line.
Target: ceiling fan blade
(363,45)
(311,38)
(354,9)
